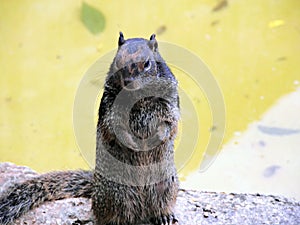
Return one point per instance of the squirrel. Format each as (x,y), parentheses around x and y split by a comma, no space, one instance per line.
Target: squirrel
(135,179)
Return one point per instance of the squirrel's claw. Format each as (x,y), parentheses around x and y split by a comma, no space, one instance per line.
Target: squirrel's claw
(164,220)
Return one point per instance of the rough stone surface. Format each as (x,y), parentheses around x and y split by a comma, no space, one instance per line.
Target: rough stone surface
(193,207)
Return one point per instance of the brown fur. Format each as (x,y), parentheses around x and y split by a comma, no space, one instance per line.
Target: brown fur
(135,180)
(22,197)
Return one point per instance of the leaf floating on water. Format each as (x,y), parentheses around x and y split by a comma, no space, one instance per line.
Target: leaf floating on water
(221,5)
(282,58)
(160,30)
(215,22)
(276,23)
(92,18)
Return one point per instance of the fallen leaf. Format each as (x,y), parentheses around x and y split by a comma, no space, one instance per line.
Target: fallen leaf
(92,18)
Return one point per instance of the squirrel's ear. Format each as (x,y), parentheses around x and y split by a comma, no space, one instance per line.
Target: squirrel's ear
(152,37)
(153,43)
(121,39)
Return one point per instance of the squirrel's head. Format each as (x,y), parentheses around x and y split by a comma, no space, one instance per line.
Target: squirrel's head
(139,70)
(136,58)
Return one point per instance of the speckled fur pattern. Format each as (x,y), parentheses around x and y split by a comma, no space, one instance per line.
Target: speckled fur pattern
(117,203)
(22,197)
(149,195)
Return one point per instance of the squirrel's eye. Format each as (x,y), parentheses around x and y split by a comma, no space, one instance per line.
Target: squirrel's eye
(147,65)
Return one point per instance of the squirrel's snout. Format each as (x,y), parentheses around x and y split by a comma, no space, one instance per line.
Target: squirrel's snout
(137,68)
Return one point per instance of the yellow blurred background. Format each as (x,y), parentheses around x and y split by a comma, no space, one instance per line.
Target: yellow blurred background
(251,47)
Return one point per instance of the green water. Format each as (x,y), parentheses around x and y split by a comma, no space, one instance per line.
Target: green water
(252,48)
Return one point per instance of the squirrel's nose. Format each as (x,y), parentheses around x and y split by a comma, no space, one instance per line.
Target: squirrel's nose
(131,68)
(136,68)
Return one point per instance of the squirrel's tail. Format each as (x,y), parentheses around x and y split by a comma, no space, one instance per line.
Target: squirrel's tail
(22,197)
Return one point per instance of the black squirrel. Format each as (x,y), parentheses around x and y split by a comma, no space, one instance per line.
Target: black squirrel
(135,179)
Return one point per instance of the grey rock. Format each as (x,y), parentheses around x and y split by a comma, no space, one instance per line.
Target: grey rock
(193,207)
